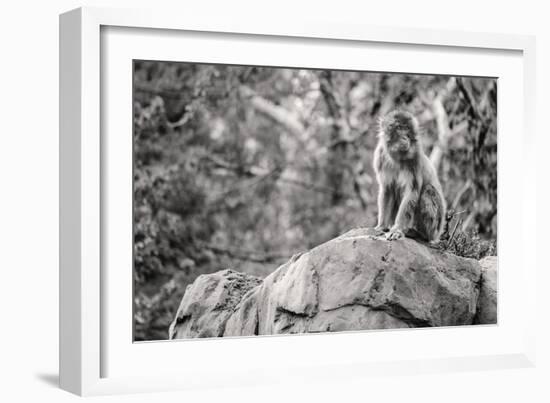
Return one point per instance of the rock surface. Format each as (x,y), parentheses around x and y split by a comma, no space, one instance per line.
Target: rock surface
(209,302)
(354,282)
(487,303)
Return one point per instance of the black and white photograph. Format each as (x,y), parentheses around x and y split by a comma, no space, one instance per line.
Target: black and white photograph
(273,201)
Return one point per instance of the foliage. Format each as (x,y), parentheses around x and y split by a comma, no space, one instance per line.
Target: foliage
(241,167)
(470,244)
(466,243)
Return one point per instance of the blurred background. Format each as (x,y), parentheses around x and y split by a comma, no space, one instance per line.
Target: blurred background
(241,167)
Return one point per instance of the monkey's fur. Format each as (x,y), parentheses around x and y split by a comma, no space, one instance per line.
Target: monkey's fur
(410,199)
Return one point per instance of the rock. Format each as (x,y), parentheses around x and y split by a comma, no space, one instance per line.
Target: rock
(354,282)
(487,302)
(244,320)
(209,302)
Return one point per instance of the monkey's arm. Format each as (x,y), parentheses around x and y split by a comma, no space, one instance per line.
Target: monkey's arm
(405,214)
(385,206)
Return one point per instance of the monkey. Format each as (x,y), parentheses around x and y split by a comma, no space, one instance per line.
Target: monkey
(410,197)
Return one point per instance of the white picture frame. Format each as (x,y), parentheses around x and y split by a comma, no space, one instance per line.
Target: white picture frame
(88,315)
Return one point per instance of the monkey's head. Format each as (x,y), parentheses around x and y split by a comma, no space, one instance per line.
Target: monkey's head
(399,132)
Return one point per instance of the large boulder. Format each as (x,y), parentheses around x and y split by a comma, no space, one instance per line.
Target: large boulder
(209,302)
(357,281)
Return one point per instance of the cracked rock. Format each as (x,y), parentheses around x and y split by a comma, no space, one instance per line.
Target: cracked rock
(208,303)
(353,282)
(487,303)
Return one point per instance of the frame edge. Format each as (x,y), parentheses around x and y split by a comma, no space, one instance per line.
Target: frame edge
(70,118)
(77,371)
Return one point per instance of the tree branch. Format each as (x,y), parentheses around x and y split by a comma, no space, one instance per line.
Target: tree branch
(467,185)
(476,114)
(342,130)
(277,113)
(262,173)
(341,137)
(479,120)
(444,133)
(244,255)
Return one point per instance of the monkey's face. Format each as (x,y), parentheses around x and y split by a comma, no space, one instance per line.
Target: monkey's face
(399,132)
